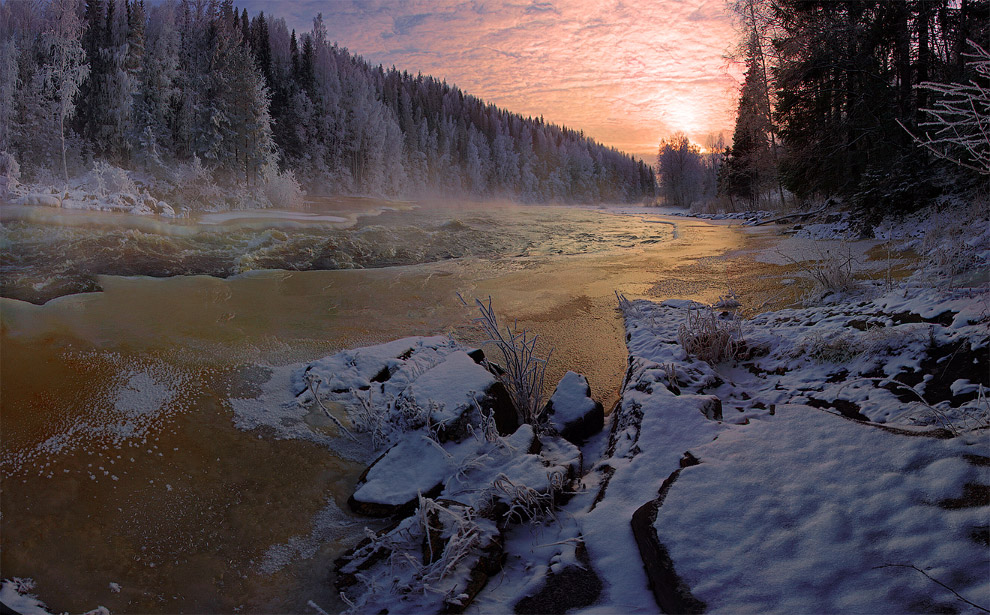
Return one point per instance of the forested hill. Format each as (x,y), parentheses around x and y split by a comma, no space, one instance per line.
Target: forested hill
(148,87)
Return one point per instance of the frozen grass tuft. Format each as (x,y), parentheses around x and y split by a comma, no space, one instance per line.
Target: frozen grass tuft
(849,346)
(710,338)
(830,273)
(524,368)
(528,503)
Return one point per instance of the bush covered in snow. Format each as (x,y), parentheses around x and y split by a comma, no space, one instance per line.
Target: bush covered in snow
(952,237)
(106,179)
(10,174)
(282,189)
(708,337)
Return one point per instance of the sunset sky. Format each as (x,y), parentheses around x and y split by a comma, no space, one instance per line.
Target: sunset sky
(627,73)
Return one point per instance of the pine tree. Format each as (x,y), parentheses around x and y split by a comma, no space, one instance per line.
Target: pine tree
(750,164)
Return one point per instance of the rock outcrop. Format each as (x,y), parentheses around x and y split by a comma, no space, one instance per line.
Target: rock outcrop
(572,411)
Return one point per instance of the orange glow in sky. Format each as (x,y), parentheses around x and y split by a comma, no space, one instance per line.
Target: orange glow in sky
(626,73)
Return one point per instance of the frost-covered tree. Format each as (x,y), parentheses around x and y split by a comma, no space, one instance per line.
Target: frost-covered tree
(8,88)
(65,65)
(958,122)
(254,148)
(116,85)
(199,86)
(158,93)
(681,171)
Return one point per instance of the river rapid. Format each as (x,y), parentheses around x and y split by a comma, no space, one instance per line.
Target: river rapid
(124,480)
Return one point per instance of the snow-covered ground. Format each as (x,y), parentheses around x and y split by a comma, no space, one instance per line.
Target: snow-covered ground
(827,477)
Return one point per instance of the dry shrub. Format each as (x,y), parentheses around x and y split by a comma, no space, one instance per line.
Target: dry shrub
(710,338)
(524,368)
(829,273)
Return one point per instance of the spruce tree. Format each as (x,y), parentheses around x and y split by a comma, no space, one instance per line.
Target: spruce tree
(750,165)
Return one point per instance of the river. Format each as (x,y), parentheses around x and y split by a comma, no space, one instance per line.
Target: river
(124,480)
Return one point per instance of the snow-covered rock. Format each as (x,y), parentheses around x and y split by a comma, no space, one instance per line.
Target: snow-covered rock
(683,304)
(408,384)
(572,411)
(394,482)
(39,200)
(456,391)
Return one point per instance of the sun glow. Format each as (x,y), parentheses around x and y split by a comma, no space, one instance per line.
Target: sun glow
(627,74)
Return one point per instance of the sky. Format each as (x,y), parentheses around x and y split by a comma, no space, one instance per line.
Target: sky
(626,73)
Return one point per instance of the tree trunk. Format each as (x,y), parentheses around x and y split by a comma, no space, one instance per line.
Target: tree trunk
(769,108)
(61,134)
(924,55)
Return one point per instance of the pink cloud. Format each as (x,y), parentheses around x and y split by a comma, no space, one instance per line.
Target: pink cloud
(628,74)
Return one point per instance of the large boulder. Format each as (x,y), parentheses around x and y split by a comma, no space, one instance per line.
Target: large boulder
(455,390)
(393,483)
(671,592)
(572,411)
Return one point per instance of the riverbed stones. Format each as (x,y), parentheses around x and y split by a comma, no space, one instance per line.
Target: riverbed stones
(572,411)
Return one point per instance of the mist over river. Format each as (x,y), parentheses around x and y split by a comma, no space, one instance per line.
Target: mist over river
(46,253)
(125,482)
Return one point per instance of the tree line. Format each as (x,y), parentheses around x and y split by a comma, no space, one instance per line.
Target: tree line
(248,100)
(839,94)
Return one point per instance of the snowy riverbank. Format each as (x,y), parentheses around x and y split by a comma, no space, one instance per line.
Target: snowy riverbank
(168,192)
(838,461)
(827,458)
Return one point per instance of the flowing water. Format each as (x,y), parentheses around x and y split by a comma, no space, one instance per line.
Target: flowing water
(124,481)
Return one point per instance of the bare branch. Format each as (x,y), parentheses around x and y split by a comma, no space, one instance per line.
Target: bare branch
(960,119)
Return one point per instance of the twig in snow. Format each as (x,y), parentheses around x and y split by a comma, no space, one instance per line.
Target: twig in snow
(317,608)
(310,380)
(936,581)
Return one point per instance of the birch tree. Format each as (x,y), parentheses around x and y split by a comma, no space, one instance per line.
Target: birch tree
(66,67)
